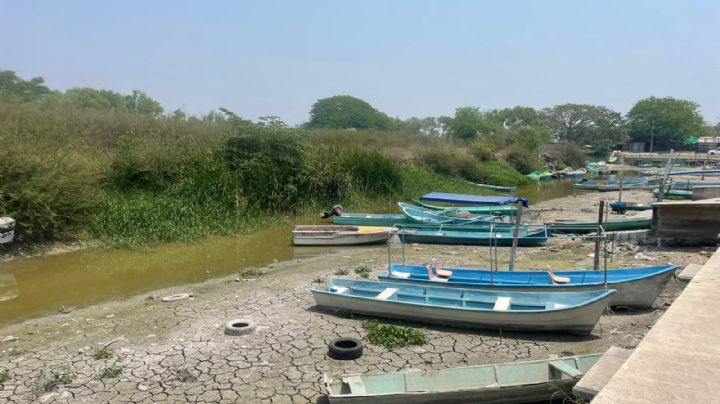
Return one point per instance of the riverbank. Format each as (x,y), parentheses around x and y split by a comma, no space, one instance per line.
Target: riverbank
(148,350)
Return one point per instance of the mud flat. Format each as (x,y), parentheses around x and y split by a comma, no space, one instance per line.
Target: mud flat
(145,350)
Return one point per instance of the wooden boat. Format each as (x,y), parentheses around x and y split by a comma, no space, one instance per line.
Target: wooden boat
(506,210)
(535,175)
(682,193)
(575,312)
(622,207)
(691,184)
(370,219)
(497,188)
(625,187)
(454,237)
(590,185)
(588,226)
(513,382)
(341,235)
(448,216)
(487,227)
(636,287)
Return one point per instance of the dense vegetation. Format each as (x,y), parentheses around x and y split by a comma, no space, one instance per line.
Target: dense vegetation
(89,164)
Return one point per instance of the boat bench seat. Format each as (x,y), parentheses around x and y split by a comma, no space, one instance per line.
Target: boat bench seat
(386,294)
(338,289)
(554,306)
(356,384)
(502,303)
(563,367)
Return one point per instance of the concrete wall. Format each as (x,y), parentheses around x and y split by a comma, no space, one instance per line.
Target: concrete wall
(705,192)
(686,222)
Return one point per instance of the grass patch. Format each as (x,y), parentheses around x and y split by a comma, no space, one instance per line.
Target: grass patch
(363,271)
(103,354)
(4,376)
(110,372)
(391,336)
(64,376)
(318,280)
(342,272)
(247,273)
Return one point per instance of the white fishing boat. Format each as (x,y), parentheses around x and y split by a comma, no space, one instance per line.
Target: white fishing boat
(340,235)
(575,312)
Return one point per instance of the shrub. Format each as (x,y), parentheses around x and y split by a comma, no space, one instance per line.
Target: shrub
(391,336)
(523,160)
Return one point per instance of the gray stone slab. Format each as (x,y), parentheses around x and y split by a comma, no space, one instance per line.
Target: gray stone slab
(598,376)
(689,272)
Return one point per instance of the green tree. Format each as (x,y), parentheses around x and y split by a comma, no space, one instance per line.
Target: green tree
(140,103)
(664,121)
(14,88)
(517,116)
(470,122)
(346,112)
(531,137)
(90,98)
(587,125)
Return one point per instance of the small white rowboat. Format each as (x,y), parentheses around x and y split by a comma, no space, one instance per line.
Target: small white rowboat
(341,235)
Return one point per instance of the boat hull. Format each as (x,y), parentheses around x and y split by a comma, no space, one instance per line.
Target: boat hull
(576,319)
(507,210)
(340,235)
(369,219)
(501,239)
(640,292)
(580,227)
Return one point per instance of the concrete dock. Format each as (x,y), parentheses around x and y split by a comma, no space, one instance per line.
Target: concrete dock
(678,361)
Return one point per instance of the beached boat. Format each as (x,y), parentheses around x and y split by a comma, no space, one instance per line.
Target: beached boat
(340,235)
(622,207)
(625,187)
(505,210)
(574,173)
(496,188)
(487,227)
(575,312)
(636,287)
(681,193)
(449,216)
(512,382)
(633,182)
(692,184)
(527,237)
(589,185)
(371,219)
(589,226)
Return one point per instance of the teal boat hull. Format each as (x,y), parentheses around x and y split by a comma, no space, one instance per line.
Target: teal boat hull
(457,237)
(583,226)
(505,210)
(371,219)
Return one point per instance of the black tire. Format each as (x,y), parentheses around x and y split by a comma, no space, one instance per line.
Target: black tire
(345,349)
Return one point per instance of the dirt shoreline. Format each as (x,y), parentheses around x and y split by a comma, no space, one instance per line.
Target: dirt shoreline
(177,352)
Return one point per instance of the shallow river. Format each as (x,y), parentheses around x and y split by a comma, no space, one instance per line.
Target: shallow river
(36,286)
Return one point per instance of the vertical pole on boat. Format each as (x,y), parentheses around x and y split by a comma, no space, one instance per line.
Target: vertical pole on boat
(621,178)
(516,234)
(389,244)
(596,258)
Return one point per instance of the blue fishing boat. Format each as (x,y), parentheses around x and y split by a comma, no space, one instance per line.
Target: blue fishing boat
(527,237)
(496,210)
(449,216)
(575,312)
(636,287)
(691,184)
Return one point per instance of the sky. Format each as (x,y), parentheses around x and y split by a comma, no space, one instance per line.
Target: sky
(406,58)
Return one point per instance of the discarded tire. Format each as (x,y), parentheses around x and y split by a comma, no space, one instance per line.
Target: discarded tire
(239,327)
(345,349)
(175,298)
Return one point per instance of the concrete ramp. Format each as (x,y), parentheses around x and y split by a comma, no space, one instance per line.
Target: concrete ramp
(678,361)
(598,376)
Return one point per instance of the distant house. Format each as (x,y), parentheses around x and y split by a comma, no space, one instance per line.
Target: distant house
(636,147)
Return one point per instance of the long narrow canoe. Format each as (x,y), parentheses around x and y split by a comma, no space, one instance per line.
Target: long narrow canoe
(340,235)
(590,185)
(457,237)
(421,215)
(496,188)
(684,193)
(636,287)
(488,227)
(513,382)
(690,184)
(507,210)
(622,207)
(370,219)
(575,312)
(588,226)
(628,187)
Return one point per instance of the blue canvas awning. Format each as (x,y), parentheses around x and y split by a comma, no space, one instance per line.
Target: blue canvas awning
(461,199)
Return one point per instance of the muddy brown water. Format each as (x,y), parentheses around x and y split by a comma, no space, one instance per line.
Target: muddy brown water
(36,286)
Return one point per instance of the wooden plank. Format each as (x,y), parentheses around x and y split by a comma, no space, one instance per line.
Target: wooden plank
(385,294)
(502,303)
(569,370)
(356,384)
